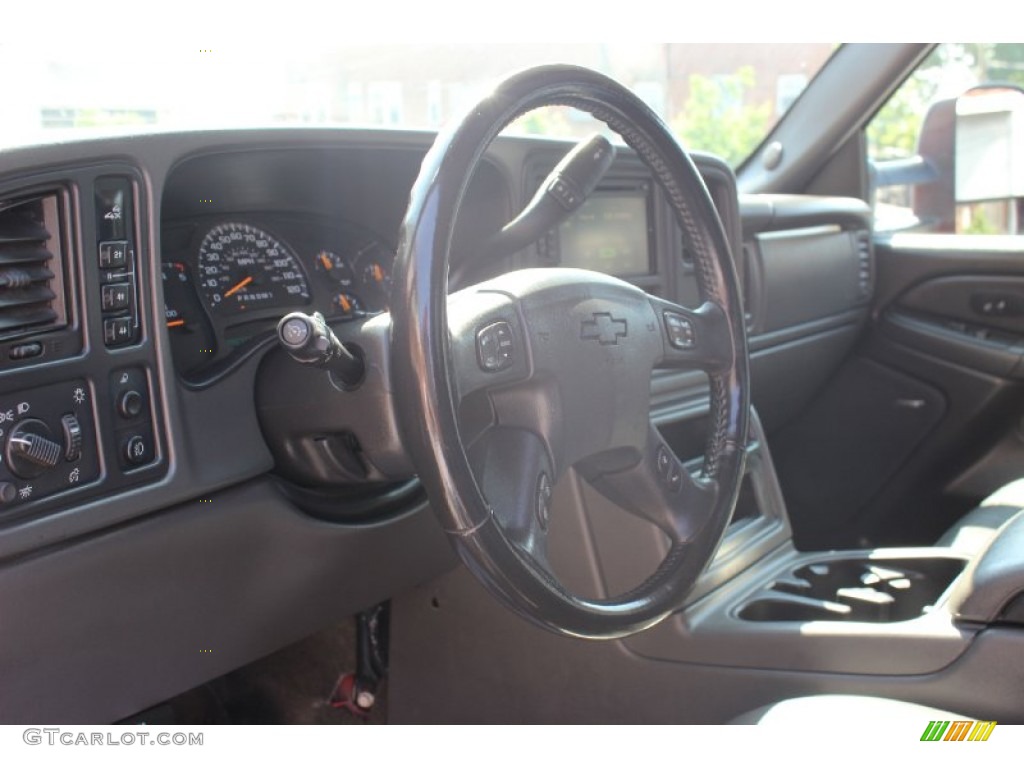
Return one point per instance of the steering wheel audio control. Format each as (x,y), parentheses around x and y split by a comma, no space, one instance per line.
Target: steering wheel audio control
(494,346)
(681,333)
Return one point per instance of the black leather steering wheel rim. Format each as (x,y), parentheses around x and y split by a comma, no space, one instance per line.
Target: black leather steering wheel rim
(424,358)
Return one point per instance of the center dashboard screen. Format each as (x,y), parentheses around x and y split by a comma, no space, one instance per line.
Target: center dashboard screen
(609,233)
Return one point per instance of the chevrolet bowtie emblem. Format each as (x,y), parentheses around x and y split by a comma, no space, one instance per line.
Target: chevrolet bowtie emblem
(603,327)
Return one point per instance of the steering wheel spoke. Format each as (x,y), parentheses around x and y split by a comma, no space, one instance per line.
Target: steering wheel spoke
(517,478)
(694,338)
(660,489)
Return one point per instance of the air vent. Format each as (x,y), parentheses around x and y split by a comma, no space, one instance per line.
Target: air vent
(863,242)
(31,274)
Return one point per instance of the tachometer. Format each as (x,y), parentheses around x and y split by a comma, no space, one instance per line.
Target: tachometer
(243,268)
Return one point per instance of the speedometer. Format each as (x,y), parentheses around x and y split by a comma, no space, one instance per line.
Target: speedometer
(243,268)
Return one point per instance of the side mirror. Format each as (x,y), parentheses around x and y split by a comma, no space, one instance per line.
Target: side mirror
(990,145)
(968,172)
(973,147)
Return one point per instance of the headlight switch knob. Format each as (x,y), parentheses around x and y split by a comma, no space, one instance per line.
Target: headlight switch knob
(30,451)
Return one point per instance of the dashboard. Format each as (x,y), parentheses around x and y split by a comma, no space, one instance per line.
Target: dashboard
(142,390)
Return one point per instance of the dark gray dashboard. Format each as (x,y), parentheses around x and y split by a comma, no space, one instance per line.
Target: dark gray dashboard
(135,562)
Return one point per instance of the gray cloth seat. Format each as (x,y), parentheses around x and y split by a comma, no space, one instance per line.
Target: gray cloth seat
(977,528)
(830,709)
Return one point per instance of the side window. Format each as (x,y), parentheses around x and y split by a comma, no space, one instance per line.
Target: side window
(946,152)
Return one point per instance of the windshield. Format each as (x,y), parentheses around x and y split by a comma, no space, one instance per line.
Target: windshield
(717,98)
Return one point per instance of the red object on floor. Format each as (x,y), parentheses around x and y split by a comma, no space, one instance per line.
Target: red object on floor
(344,695)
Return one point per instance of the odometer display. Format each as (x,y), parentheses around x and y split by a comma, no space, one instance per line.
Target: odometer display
(242,269)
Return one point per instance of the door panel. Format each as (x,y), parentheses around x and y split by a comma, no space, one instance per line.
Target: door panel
(925,418)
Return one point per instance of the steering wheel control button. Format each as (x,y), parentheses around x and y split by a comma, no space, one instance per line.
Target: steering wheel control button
(494,347)
(138,450)
(675,478)
(130,404)
(669,471)
(664,462)
(544,491)
(113,254)
(115,296)
(681,334)
(72,437)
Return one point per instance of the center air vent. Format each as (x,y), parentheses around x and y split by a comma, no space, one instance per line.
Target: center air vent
(31,274)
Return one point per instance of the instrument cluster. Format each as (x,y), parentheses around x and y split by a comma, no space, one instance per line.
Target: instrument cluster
(228,280)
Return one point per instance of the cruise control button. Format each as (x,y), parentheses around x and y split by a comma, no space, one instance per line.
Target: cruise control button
(494,346)
(681,334)
(675,479)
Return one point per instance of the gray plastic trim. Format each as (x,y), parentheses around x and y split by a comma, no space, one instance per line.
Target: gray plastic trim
(116,623)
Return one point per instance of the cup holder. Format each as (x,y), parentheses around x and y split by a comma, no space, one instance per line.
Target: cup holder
(856,589)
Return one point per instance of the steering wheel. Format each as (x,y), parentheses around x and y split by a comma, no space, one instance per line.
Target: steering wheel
(502,387)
